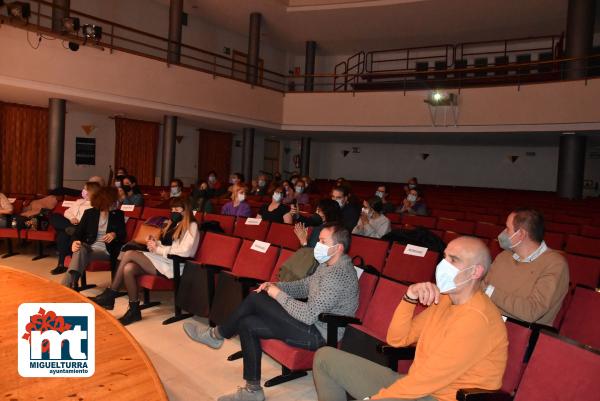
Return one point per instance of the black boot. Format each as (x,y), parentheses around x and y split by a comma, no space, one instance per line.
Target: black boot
(60,269)
(106,299)
(132,315)
(71,278)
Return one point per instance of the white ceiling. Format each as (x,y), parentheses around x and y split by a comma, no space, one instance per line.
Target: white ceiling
(347,26)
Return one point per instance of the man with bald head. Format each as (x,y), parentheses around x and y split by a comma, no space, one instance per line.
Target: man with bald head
(528,281)
(460,339)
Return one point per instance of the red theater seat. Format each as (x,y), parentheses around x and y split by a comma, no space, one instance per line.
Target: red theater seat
(458,226)
(226,222)
(283,235)
(487,230)
(580,321)
(583,270)
(370,251)
(590,231)
(284,255)
(583,246)
(410,268)
(419,221)
(254,232)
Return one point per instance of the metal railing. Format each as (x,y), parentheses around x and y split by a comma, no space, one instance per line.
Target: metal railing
(393,69)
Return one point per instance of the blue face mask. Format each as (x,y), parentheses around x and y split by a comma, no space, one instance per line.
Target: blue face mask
(379,194)
(321,252)
(445,274)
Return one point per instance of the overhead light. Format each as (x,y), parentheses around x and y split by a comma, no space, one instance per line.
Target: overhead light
(70,25)
(92,32)
(438,98)
(19,9)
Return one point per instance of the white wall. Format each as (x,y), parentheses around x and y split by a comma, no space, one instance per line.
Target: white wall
(477,166)
(76,175)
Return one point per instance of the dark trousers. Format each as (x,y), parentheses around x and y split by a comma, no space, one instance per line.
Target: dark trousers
(63,240)
(260,316)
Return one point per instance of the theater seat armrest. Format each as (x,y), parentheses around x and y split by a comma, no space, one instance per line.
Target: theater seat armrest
(396,353)
(478,394)
(333,323)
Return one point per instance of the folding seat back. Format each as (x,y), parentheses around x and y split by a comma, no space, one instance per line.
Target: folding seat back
(554,240)
(559,370)
(219,250)
(580,321)
(494,247)
(371,251)
(419,221)
(583,246)
(130,228)
(135,213)
(153,211)
(449,236)
(284,255)
(566,228)
(458,226)
(249,231)
(487,218)
(409,268)
(448,214)
(518,342)
(590,231)
(283,235)
(254,264)
(583,270)
(226,222)
(566,218)
(382,306)
(366,285)
(394,218)
(487,230)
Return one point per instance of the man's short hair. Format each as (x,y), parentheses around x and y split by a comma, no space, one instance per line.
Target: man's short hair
(530,220)
(339,234)
(343,189)
(376,204)
(178,182)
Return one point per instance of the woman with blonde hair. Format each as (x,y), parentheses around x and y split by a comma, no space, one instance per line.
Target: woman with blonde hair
(179,237)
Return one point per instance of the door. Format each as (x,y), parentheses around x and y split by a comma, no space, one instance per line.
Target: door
(214,153)
(271,157)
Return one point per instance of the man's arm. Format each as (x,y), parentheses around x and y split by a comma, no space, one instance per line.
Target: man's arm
(404,329)
(295,289)
(532,307)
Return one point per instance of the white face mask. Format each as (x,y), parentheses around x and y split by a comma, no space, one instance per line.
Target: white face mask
(212,179)
(299,190)
(411,198)
(277,197)
(241,197)
(340,202)
(445,274)
(379,194)
(175,191)
(321,252)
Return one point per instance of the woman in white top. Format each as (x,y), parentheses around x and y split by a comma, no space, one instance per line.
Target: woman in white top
(179,236)
(372,222)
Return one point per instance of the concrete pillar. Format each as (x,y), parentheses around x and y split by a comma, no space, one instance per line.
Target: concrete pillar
(247,153)
(175,19)
(305,156)
(59,13)
(168,154)
(580,34)
(57,109)
(309,65)
(571,166)
(253,48)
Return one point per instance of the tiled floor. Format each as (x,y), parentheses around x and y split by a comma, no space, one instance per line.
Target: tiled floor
(189,371)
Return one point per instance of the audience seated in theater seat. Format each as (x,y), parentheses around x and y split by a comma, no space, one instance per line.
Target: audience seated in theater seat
(372,223)
(411,184)
(5,206)
(235,180)
(118,180)
(201,199)
(413,203)
(237,206)
(289,194)
(275,311)
(175,191)
(328,211)
(65,224)
(129,193)
(299,195)
(309,187)
(180,236)
(262,186)
(461,340)
(215,187)
(350,211)
(527,281)
(98,236)
(382,193)
(275,211)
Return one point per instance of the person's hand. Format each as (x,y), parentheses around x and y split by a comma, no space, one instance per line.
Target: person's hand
(74,221)
(301,232)
(364,219)
(121,193)
(263,287)
(109,237)
(273,291)
(293,209)
(165,195)
(203,186)
(406,203)
(151,244)
(75,246)
(426,293)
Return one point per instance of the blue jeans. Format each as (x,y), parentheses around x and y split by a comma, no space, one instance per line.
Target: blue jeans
(260,316)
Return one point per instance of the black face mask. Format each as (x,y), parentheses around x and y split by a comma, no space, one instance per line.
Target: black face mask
(176,217)
(126,188)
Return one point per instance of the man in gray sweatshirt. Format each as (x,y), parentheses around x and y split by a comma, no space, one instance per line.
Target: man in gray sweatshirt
(275,311)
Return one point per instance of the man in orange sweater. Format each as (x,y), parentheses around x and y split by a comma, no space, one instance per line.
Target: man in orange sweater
(461,339)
